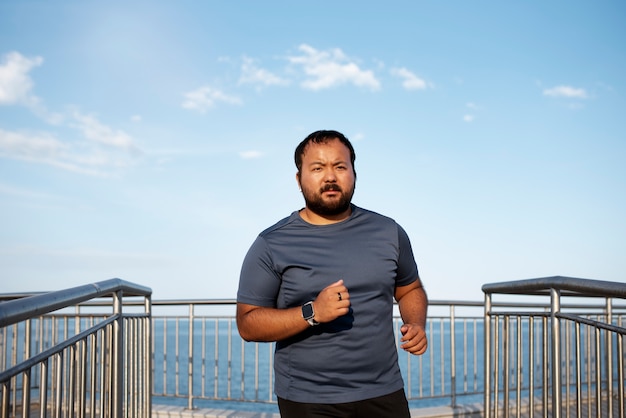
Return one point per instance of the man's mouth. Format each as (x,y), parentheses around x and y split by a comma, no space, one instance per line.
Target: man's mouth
(331,188)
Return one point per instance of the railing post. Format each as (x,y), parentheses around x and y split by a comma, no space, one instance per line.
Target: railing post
(118,357)
(555,308)
(452,358)
(190,365)
(487,359)
(148,356)
(609,357)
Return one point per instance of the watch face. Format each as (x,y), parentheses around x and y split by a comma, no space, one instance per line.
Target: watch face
(307,310)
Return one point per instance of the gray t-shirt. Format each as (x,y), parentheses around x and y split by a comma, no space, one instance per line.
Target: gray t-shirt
(354,357)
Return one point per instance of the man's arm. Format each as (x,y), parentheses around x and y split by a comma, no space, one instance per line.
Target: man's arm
(263,324)
(413,305)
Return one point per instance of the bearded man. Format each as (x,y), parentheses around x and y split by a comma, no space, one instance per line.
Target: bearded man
(321,284)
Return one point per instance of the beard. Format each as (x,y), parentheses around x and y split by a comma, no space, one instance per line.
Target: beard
(315,201)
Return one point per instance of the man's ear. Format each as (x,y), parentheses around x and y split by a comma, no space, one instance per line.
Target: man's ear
(298,180)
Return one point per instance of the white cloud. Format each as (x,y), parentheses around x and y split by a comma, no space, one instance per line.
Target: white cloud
(98,150)
(410,80)
(44,148)
(251,74)
(357,137)
(566,91)
(327,69)
(36,146)
(251,154)
(95,131)
(15,81)
(206,97)
(473,108)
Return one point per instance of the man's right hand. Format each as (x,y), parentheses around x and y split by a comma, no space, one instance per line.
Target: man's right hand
(332,302)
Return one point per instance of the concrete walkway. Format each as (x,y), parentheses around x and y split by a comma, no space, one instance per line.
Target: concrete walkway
(166,411)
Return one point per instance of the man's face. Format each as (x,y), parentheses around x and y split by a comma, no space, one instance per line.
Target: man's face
(327,178)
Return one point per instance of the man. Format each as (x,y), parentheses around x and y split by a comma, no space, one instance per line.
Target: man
(321,283)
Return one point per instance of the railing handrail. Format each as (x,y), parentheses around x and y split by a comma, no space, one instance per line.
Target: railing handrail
(559,347)
(17,310)
(569,286)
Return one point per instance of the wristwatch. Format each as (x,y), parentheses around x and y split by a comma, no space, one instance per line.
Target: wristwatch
(309,314)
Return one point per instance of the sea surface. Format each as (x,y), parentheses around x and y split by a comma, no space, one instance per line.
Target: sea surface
(227,373)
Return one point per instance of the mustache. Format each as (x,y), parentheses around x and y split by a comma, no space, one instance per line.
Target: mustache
(331,187)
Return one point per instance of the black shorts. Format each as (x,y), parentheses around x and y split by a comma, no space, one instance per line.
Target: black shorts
(393,405)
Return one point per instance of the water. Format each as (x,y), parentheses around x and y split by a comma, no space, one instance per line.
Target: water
(239,375)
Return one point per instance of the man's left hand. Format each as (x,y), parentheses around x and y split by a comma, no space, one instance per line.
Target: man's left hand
(413,339)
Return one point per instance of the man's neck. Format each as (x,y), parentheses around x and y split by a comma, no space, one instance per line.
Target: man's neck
(316,219)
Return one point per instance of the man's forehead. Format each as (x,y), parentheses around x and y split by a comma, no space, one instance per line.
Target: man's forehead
(324,143)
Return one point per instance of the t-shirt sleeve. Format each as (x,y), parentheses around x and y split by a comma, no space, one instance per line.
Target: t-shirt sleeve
(407,267)
(259,283)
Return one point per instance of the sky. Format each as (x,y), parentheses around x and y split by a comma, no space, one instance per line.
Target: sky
(152,141)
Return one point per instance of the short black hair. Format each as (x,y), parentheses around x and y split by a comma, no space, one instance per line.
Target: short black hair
(322,137)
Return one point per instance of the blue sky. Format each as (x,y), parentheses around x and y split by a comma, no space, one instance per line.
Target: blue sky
(152,141)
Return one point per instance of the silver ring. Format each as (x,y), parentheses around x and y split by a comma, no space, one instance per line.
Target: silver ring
(339,294)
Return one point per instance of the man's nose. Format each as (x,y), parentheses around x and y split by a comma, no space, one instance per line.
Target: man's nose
(329,176)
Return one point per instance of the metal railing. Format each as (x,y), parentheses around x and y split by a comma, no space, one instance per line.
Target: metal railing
(564,360)
(200,358)
(501,354)
(59,363)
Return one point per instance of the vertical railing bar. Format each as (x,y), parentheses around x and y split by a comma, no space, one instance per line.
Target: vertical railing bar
(590,356)
(27,374)
(14,362)
(118,355)
(567,348)
(243,371)
(104,360)
(545,366)
(177,358)
(465,362)
(149,349)
(442,368)
(270,369)
(555,304)
(230,358)
(609,357)
(6,399)
(519,372)
(190,363)
(506,365)
(432,361)
(452,356)
(43,388)
(165,356)
(256,371)
(579,405)
(475,323)
(93,371)
(598,400)
(83,377)
(216,367)
(129,369)
(408,363)
(59,385)
(26,393)
(496,364)
(203,365)
(71,387)
(531,366)
(620,373)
